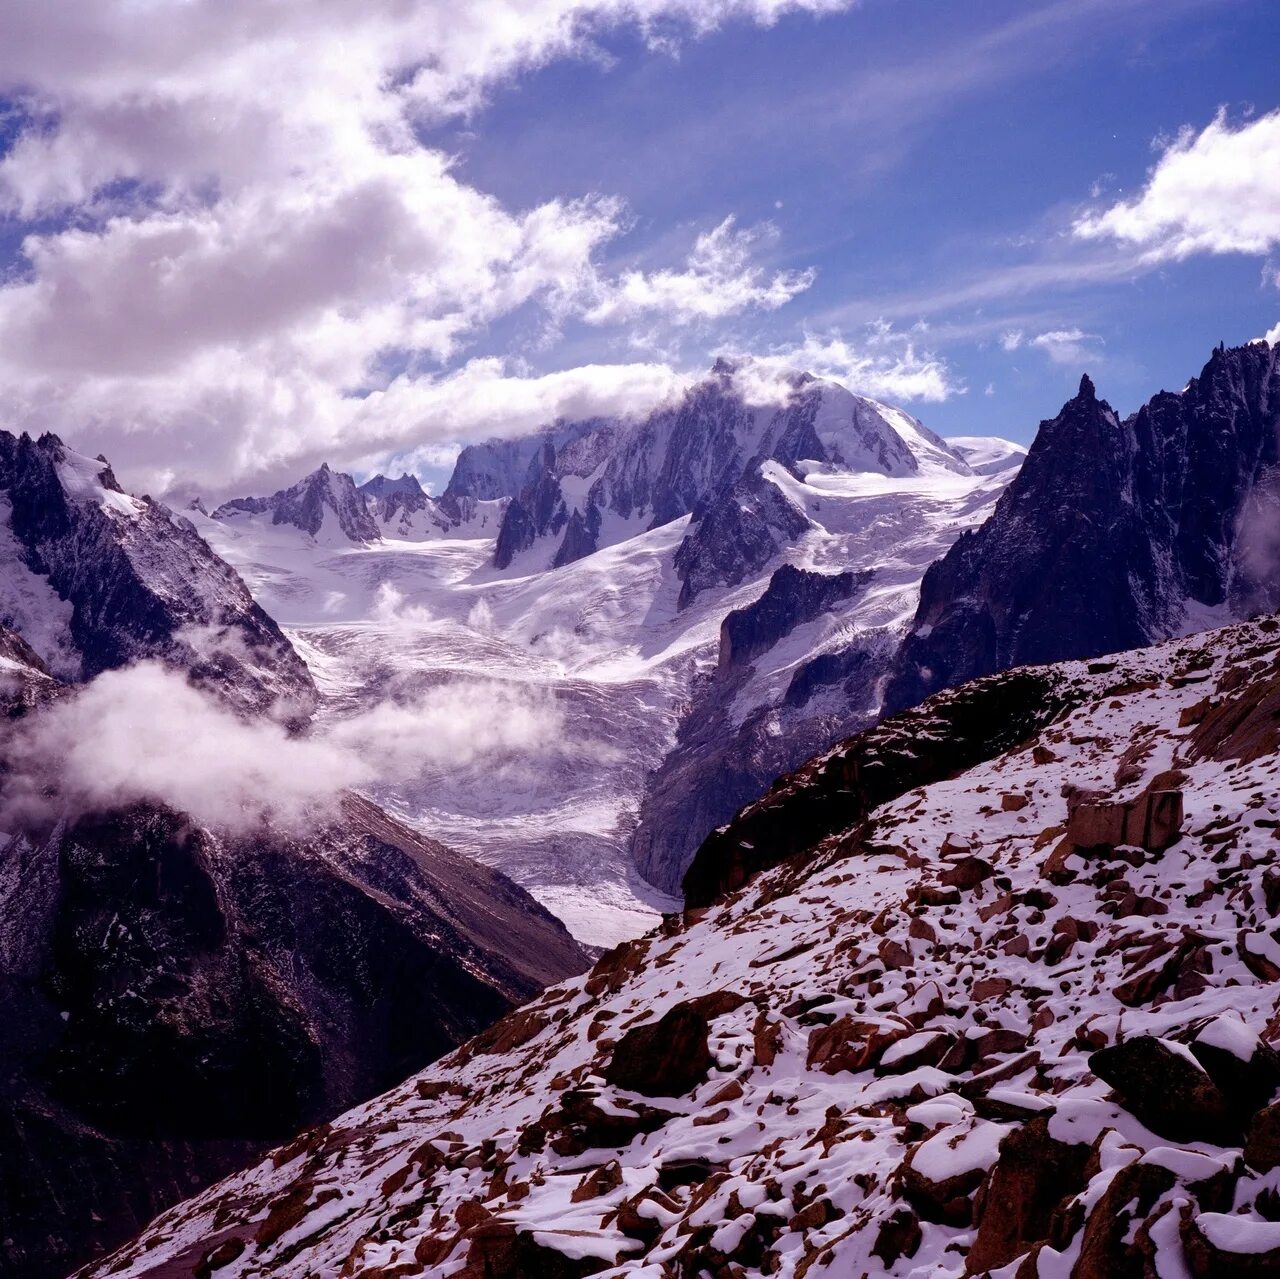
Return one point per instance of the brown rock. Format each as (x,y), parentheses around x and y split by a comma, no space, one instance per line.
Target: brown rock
(597,1182)
(1012,802)
(1262,1145)
(850,1044)
(899,1236)
(967,873)
(1032,1177)
(1206,1261)
(498,1251)
(669,1057)
(1133,1192)
(1152,821)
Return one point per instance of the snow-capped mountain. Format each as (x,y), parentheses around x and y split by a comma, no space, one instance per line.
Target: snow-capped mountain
(597,485)
(180,996)
(610,609)
(1012,1012)
(1115,533)
(325,505)
(94,579)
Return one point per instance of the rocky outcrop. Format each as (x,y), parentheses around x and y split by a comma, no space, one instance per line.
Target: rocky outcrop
(581,536)
(841,788)
(324,504)
(724,760)
(735,534)
(538,511)
(792,597)
(136,582)
(180,998)
(1114,532)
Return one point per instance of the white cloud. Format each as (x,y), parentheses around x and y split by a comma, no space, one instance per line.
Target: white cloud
(1068,346)
(719,279)
(886,364)
(1011,339)
(247,227)
(1217,191)
(144,734)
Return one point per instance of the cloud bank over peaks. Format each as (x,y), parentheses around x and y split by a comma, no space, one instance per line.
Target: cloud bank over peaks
(884,363)
(240,253)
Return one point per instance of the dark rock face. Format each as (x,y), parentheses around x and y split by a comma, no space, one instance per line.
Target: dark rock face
(794,596)
(1111,530)
(838,790)
(538,511)
(581,536)
(180,999)
(306,504)
(1166,1089)
(720,764)
(141,582)
(735,534)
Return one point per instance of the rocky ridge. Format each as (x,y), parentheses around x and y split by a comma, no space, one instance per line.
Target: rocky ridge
(1114,533)
(947,1038)
(96,579)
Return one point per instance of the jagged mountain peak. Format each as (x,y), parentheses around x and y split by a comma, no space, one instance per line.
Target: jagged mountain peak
(382,486)
(1114,534)
(326,505)
(95,579)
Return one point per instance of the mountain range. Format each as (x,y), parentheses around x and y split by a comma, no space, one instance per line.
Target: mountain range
(909,1008)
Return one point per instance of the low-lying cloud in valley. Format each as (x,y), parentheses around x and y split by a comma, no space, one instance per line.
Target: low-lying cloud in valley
(145,734)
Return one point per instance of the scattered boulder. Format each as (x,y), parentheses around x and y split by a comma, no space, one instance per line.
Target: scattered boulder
(1166,1089)
(1152,822)
(669,1057)
(1110,1246)
(851,1044)
(1221,1246)
(1033,1176)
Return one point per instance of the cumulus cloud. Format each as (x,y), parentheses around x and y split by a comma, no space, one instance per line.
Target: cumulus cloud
(1067,346)
(1216,191)
(240,251)
(720,278)
(144,734)
(885,363)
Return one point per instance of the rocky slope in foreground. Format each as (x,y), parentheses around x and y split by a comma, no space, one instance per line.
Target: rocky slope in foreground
(1016,1022)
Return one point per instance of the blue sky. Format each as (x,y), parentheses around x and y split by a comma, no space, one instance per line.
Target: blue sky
(915,149)
(237,240)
